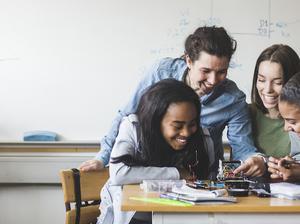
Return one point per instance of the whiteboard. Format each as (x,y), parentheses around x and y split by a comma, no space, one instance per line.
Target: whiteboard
(68,65)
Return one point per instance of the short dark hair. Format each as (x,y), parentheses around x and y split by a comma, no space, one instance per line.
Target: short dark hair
(291,91)
(281,54)
(213,40)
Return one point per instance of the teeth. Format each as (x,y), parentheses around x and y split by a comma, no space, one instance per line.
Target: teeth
(270,99)
(181,140)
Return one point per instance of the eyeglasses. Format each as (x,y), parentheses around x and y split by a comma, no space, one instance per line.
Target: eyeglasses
(192,167)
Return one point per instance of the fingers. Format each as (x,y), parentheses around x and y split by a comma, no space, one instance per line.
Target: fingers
(277,170)
(241,168)
(184,174)
(253,166)
(91,165)
(275,176)
(273,160)
(254,172)
(272,170)
(85,166)
(258,166)
(279,174)
(289,158)
(272,165)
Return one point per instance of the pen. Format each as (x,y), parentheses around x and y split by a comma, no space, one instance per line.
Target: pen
(169,196)
(288,163)
(173,196)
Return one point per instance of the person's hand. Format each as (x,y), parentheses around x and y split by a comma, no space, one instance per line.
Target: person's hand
(279,172)
(184,174)
(273,168)
(253,166)
(91,165)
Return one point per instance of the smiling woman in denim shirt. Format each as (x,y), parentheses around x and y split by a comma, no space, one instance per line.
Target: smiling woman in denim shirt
(204,68)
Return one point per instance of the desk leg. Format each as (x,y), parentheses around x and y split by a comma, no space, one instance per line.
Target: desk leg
(224,218)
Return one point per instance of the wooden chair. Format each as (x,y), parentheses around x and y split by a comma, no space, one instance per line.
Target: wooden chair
(91,184)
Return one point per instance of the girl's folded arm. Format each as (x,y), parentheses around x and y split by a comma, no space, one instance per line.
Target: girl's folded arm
(122,174)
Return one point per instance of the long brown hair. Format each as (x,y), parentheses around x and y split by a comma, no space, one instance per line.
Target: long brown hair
(281,54)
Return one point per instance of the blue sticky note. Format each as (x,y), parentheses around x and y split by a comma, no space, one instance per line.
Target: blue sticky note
(40,136)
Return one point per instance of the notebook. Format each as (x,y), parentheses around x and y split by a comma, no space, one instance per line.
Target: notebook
(196,199)
(285,190)
(198,196)
(186,190)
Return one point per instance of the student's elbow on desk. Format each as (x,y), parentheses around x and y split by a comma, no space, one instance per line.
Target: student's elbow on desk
(119,176)
(118,180)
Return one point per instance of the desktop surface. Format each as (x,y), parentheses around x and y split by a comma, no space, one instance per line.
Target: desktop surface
(250,204)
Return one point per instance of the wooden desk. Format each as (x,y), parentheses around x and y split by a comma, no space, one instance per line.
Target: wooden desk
(251,209)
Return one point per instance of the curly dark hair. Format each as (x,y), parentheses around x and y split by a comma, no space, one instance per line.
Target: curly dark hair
(212,40)
(291,91)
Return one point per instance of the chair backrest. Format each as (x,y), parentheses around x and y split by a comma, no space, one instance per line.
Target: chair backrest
(91,184)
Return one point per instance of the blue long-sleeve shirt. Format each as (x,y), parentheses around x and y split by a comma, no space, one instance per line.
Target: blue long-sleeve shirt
(224,106)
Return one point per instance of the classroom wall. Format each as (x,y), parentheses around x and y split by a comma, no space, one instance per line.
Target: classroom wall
(32,204)
(68,65)
(30,189)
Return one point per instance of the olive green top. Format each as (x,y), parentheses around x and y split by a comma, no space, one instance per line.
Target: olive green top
(268,134)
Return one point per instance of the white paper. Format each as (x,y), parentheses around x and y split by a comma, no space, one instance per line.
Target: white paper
(185,190)
(283,188)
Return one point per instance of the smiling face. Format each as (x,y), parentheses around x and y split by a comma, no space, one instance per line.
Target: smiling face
(269,84)
(291,115)
(206,72)
(179,124)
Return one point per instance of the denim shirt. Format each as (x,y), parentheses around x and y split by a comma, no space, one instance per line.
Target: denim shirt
(224,106)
